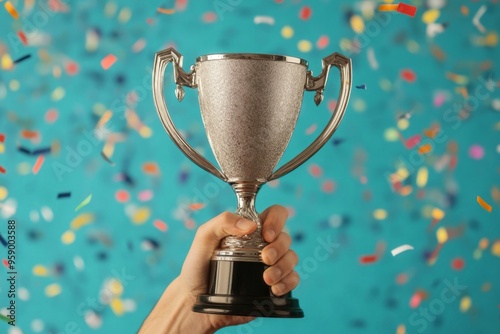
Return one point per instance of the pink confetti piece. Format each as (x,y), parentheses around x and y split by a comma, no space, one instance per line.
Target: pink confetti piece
(38,164)
(160,225)
(310,130)
(108,61)
(145,195)
(413,141)
(328,186)
(322,42)
(401,249)
(315,170)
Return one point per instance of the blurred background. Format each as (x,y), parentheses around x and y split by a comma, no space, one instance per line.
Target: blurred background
(106,206)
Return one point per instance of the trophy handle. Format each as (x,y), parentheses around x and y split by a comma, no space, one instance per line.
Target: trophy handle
(181,78)
(318,84)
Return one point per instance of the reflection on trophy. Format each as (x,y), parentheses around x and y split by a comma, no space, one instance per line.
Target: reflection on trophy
(249,105)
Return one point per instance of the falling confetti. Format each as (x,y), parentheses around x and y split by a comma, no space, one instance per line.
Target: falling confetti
(401,249)
(363,86)
(84,203)
(23,58)
(38,164)
(9,7)
(264,20)
(165,11)
(82,220)
(484,204)
(108,61)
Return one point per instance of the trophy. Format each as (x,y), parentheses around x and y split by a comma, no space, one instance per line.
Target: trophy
(249,106)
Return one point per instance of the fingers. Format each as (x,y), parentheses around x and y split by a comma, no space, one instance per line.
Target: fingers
(273,219)
(275,250)
(281,269)
(287,284)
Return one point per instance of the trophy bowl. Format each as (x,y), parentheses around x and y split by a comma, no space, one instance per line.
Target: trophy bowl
(249,105)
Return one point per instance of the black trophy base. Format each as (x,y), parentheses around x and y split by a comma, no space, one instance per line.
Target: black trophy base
(238,288)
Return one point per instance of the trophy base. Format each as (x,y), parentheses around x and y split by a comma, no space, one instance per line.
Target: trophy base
(238,288)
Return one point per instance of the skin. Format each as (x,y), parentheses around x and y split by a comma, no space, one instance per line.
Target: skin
(173,314)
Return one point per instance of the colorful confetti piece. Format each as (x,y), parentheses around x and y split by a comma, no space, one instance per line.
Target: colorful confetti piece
(108,61)
(484,204)
(400,249)
(84,203)
(82,220)
(9,7)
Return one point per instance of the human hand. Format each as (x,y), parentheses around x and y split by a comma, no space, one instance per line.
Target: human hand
(173,314)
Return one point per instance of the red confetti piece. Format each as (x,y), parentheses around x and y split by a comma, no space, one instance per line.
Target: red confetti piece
(22,37)
(305,13)
(162,226)
(209,17)
(72,68)
(412,141)
(409,10)
(328,186)
(2,170)
(122,196)
(315,170)
(2,138)
(458,263)
(322,42)
(58,6)
(366,259)
(38,164)
(108,61)
(6,263)
(408,75)
(51,116)
(331,105)
(453,162)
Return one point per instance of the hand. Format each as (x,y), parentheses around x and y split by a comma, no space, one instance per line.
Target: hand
(173,314)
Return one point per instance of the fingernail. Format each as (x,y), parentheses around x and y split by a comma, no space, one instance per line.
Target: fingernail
(244,224)
(272,254)
(279,288)
(274,274)
(271,234)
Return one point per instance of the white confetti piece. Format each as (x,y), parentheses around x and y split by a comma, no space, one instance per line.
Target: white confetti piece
(263,20)
(401,249)
(371,59)
(477,18)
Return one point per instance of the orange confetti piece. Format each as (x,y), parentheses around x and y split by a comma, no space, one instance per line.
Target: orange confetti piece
(425,149)
(2,170)
(2,137)
(495,193)
(388,8)
(162,226)
(151,168)
(108,61)
(29,134)
(38,164)
(165,11)
(196,206)
(9,7)
(104,119)
(484,204)
(464,10)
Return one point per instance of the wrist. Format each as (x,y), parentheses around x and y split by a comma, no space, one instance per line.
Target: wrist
(173,314)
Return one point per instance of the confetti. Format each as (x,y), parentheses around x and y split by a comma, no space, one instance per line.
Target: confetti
(425,149)
(196,206)
(305,13)
(82,220)
(400,249)
(160,225)
(23,58)
(85,202)
(22,37)
(458,264)
(264,20)
(141,215)
(304,46)
(366,259)
(9,7)
(363,86)
(151,168)
(357,24)
(484,204)
(477,18)
(122,196)
(2,240)
(165,11)
(64,195)
(465,304)
(52,290)
(322,42)
(287,32)
(476,152)
(108,61)
(68,237)
(409,10)
(38,164)
(408,75)
(430,16)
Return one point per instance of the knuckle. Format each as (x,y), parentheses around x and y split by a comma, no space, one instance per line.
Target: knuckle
(225,216)
(294,256)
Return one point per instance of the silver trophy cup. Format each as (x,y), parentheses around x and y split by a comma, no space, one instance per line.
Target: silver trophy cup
(249,105)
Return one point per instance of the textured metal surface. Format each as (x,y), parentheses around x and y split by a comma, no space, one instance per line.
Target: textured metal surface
(249,109)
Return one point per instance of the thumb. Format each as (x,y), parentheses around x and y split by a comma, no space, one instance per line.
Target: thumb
(208,238)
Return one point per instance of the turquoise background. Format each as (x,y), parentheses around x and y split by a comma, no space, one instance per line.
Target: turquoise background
(338,294)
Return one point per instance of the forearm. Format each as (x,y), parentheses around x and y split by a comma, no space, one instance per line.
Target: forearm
(172,314)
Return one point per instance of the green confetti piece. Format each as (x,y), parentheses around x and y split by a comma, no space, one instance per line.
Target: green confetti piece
(84,202)
(4,318)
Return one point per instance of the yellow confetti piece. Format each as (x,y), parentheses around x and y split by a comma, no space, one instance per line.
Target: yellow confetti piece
(391,134)
(442,235)
(108,149)
(437,214)
(57,94)
(68,237)
(84,202)
(52,290)
(2,148)
(116,287)
(124,15)
(82,220)
(117,306)
(465,304)
(3,193)
(484,204)
(430,16)
(304,46)
(40,270)
(104,119)
(287,32)
(380,214)
(357,24)
(457,78)
(9,7)
(141,216)
(495,248)
(422,177)
(145,132)
(425,149)
(7,62)
(403,124)
(165,11)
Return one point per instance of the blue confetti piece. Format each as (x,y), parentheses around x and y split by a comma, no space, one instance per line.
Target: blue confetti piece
(363,86)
